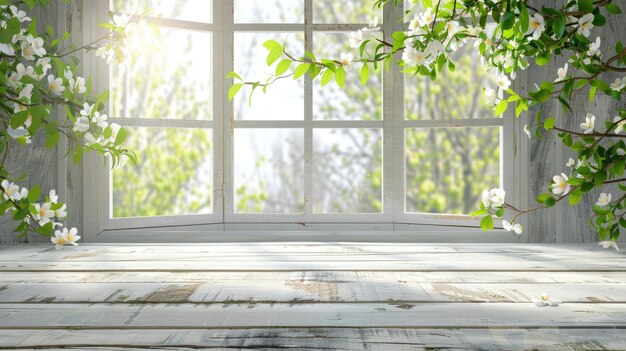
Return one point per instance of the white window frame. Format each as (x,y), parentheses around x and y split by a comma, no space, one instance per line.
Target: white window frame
(224,223)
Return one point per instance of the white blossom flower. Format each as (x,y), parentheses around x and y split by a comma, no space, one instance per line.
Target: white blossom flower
(544,300)
(414,25)
(609,243)
(536,26)
(44,213)
(527,131)
(87,110)
(44,63)
(53,197)
(19,14)
(55,85)
(121,20)
(562,73)
(99,119)
(618,84)
(61,212)
(570,162)
(355,39)
(372,26)
(604,199)
(412,57)
(594,48)
(620,151)
(10,190)
(560,186)
(503,84)
(19,132)
(7,49)
(68,74)
(426,17)
(585,25)
(58,239)
(452,28)
(346,60)
(71,236)
(589,123)
(493,199)
(620,123)
(514,227)
(81,124)
(489,95)
(77,86)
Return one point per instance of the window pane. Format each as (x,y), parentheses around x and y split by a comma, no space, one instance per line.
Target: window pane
(346,11)
(174,175)
(285,98)
(269,11)
(189,10)
(269,170)
(354,101)
(448,168)
(347,174)
(454,95)
(164,78)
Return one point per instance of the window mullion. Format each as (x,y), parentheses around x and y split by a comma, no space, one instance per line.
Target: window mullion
(308,115)
(393,123)
(227,115)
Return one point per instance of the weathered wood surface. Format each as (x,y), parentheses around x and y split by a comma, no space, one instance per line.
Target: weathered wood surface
(313,315)
(312,296)
(384,339)
(563,223)
(290,291)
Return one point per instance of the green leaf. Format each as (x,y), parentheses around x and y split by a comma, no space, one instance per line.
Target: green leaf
(501,108)
(301,70)
(549,202)
(120,137)
(283,66)
(18,119)
(558,26)
(524,18)
(365,72)
(613,9)
(45,230)
(34,193)
(327,76)
(11,28)
(234,75)
(234,90)
(272,44)
(543,197)
(549,123)
(575,196)
(585,5)
(543,58)
(486,223)
(52,135)
(480,212)
(340,76)
(274,55)
(507,20)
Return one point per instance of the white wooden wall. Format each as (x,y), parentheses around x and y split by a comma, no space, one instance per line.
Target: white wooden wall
(547,157)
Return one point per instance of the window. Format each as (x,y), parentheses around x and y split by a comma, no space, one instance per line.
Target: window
(300,154)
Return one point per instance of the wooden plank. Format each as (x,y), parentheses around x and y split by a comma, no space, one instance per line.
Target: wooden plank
(304,291)
(260,315)
(314,276)
(322,338)
(289,256)
(32,251)
(455,262)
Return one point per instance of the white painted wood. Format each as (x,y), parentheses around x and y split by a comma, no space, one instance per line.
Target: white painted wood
(326,277)
(291,291)
(469,262)
(324,338)
(258,315)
